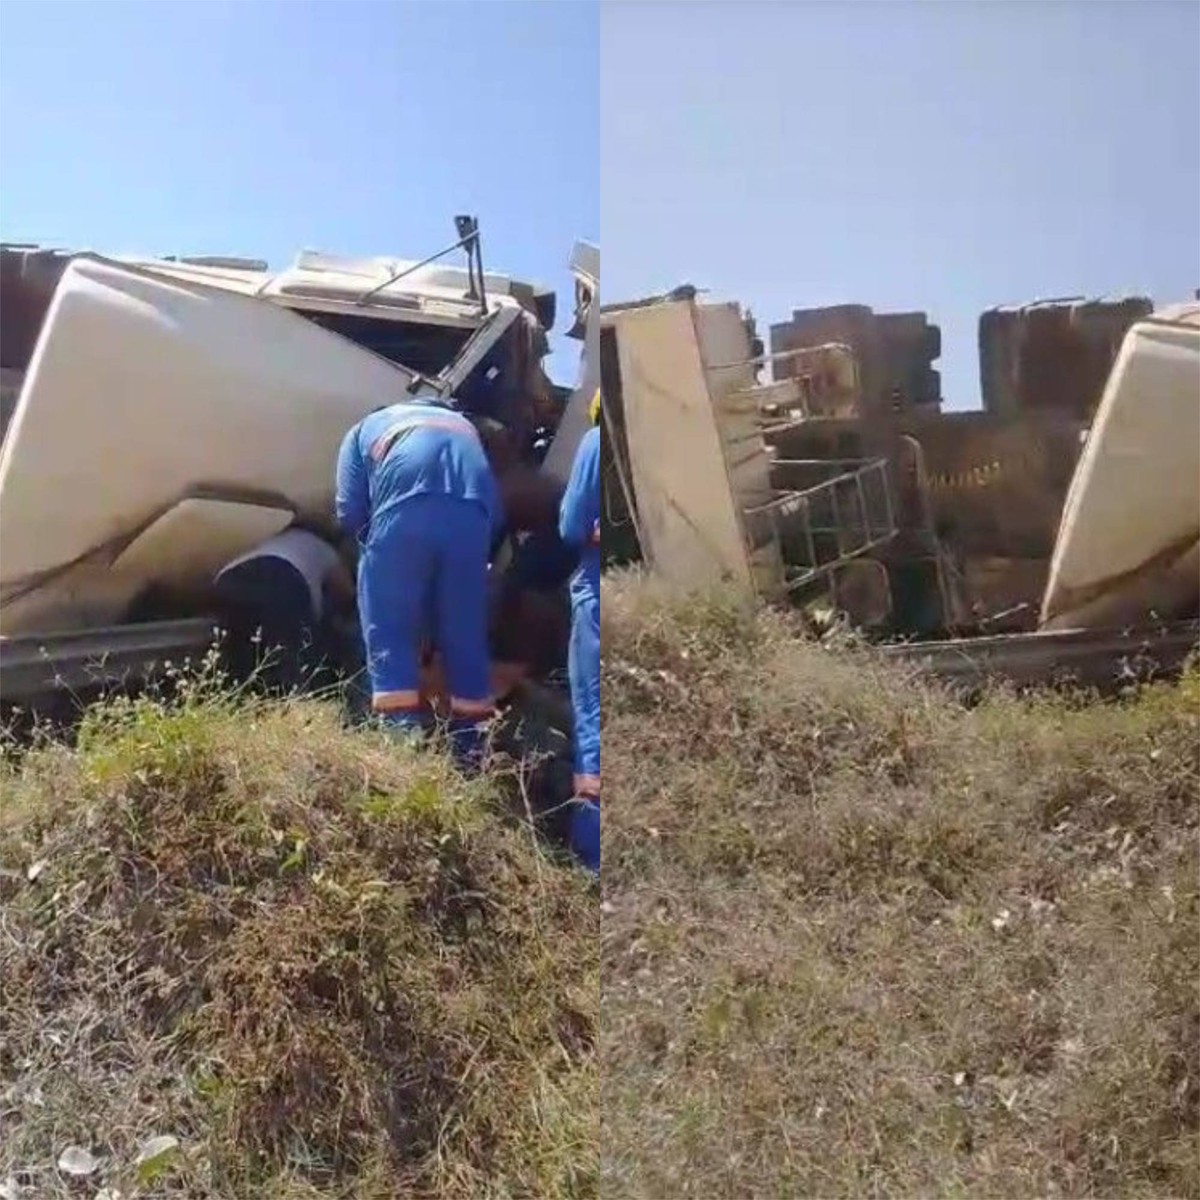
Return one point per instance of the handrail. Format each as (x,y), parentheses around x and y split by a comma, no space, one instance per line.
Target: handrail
(800,503)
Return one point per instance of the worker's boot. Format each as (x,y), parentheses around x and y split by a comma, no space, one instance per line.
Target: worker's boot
(468,742)
(408,726)
(584,831)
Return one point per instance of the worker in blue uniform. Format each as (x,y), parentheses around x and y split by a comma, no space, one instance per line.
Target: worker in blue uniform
(416,489)
(579,525)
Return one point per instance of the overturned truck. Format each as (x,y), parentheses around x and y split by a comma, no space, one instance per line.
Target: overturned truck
(1070,505)
(164,415)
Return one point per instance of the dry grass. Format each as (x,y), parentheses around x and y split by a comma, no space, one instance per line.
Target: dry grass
(859,941)
(326,965)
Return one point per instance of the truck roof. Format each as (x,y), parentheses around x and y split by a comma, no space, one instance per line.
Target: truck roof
(433,292)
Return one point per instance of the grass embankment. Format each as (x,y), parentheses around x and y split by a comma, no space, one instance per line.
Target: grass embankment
(861,941)
(326,966)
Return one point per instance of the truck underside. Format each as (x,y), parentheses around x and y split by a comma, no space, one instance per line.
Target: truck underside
(840,484)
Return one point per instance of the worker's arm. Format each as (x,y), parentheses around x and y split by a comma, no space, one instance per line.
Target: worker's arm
(579,516)
(530,500)
(353,487)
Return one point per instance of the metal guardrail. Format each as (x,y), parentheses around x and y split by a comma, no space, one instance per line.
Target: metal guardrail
(1101,658)
(36,666)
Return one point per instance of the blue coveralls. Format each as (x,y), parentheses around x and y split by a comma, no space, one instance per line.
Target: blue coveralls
(415,488)
(579,525)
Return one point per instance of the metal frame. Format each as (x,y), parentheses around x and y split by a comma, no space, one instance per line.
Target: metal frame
(793,503)
(1101,658)
(35,667)
(478,346)
(468,239)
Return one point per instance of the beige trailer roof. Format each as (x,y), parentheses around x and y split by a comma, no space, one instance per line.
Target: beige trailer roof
(146,393)
(434,293)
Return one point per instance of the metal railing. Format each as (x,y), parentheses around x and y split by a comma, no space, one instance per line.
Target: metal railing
(824,526)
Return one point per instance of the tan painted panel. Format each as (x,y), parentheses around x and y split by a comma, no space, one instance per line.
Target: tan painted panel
(143,390)
(725,349)
(193,540)
(690,528)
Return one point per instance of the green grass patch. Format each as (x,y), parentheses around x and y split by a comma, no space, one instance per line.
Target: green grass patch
(322,962)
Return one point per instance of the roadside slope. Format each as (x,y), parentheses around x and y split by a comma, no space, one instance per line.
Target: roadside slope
(860,941)
(328,967)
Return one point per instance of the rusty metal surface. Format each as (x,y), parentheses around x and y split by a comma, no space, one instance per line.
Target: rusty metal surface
(997,485)
(1105,659)
(994,486)
(821,381)
(1052,356)
(895,352)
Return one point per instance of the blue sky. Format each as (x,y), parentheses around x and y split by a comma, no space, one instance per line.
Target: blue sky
(945,156)
(205,126)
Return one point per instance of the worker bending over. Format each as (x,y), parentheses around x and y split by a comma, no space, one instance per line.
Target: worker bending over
(415,488)
(579,525)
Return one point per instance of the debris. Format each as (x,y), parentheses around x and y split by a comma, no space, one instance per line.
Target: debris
(77,1161)
(841,490)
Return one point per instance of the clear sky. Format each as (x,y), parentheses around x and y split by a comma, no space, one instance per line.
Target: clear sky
(946,156)
(262,128)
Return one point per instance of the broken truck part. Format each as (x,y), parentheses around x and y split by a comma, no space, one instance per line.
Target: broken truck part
(206,399)
(840,480)
(190,440)
(585,269)
(679,365)
(1052,354)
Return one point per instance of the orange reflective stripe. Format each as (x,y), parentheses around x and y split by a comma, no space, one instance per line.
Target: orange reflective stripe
(396,701)
(381,445)
(472,708)
(386,440)
(587,786)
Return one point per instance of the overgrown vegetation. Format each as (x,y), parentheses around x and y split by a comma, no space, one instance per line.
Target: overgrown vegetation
(322,964)
(861,941)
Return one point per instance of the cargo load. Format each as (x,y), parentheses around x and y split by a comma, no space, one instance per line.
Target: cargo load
(839,482)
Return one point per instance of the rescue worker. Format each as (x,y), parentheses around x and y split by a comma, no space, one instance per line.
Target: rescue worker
(416,490)
(579,525)
(280,603)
